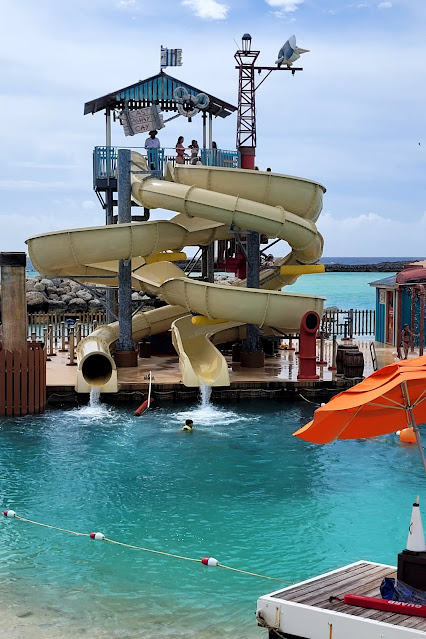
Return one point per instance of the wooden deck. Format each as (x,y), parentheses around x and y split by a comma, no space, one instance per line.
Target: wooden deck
(304,610)
(278,378)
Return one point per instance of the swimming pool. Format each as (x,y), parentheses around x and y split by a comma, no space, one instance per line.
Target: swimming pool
(239,488)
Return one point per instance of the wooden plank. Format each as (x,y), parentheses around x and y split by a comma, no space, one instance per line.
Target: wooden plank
(9,383)
(2,383)
(24,383)
(17,361)
(31,379)
(362,579)
(340,588)
(36,380)
(43,381)
(331,581)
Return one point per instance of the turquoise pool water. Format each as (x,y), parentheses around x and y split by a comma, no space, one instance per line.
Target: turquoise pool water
(239,488)
(344,290)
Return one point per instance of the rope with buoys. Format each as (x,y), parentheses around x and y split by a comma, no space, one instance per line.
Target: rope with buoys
(98,536)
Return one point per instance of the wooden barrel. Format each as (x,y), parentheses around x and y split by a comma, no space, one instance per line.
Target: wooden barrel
(341,349)
(353,364)
(144,348)
(236,352)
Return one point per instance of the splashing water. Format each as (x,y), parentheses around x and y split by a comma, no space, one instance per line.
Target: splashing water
(94,410)
(205,392)
(95,397)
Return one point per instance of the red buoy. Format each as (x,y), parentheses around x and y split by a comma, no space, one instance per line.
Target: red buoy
(97,535)
(143,407)
(400,607)
(209,561)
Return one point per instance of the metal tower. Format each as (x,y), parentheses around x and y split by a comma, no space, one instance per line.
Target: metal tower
(246,115)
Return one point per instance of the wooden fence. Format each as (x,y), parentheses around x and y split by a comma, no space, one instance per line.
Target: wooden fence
(23,381)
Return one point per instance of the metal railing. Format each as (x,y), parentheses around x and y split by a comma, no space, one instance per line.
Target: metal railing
(352,323)
(59,324)
(105,160)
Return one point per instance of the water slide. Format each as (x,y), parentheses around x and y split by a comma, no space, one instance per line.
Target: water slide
(209,201)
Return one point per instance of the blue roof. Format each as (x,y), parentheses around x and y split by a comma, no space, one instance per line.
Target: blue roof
(386,281)
(158,89)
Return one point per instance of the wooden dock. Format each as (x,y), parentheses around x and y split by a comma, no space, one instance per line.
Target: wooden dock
(304,611)
(278,379)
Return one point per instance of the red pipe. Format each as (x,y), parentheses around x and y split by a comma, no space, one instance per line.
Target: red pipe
(308,346)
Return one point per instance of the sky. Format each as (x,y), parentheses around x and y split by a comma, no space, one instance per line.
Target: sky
(353,120)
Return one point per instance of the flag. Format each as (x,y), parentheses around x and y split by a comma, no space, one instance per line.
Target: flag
(171,57)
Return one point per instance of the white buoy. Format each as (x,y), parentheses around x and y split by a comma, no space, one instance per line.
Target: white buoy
(9,513)
(209,561)
(416,537)
(97,535)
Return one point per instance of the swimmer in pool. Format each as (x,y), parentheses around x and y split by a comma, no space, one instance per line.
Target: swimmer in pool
(189,425)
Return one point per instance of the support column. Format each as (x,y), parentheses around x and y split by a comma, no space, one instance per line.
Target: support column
(247,157)
(422,319)
(111,294)
(14,302)
(22,364)
(210,130)
(204,263)
(210,262)
(125,354)
(413,316)
(252,356)
(204,116)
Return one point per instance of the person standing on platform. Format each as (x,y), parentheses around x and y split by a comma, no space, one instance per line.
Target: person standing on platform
(152,144)
(406,335)
(194,151)
(180,151)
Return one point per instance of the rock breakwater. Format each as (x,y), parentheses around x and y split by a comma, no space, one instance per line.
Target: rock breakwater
(61,295)
(380,267)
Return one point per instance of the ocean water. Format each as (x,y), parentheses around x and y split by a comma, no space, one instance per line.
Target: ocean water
(344,290)
(239,488)
(367,260)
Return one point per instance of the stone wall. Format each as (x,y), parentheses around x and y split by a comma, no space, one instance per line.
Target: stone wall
(57,294)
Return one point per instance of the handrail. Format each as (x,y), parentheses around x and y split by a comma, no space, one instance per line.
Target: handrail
(105,160)
(351,323)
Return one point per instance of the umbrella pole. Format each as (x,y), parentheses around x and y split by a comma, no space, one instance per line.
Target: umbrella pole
(409,409)
(417,434)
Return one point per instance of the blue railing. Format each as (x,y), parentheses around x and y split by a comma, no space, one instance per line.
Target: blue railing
(105,160)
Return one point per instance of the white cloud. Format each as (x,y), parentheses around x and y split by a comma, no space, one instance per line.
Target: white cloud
(32,185)
(127,4)
(371,234)
(384,5)
(207,9)
(285,6)
(88,204)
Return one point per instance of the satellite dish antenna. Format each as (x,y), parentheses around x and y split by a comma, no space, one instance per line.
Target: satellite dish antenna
(289,52)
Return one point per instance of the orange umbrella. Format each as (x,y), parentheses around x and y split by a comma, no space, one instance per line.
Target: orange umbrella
(390,399)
